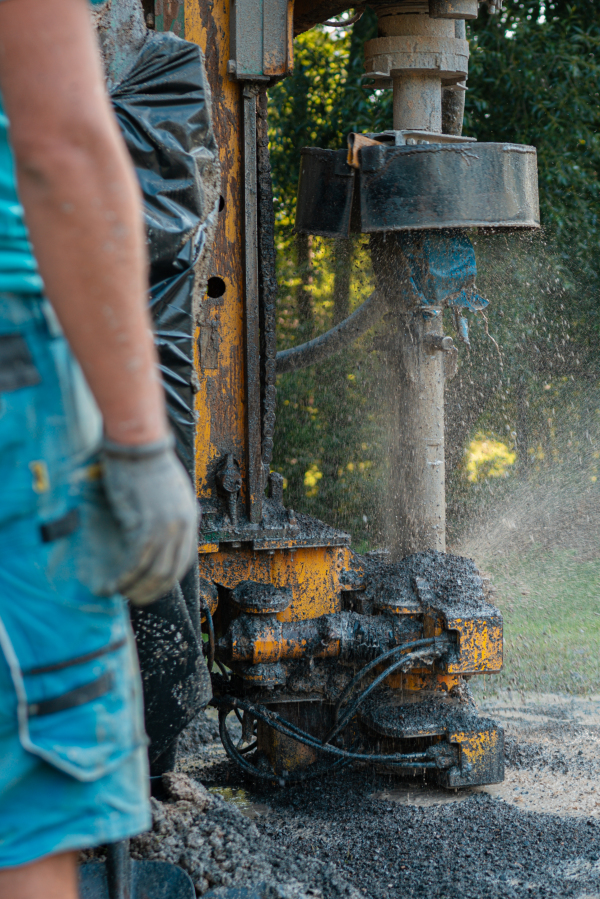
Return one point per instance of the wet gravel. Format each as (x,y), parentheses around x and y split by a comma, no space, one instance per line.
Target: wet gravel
(220,848)
(368,835)
(565,759)
(476,848)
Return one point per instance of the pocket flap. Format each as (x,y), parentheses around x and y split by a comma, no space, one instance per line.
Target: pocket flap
(83,715)
(17,368)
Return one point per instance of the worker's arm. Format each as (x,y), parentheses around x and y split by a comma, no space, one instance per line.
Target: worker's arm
(83,211)
(82,206)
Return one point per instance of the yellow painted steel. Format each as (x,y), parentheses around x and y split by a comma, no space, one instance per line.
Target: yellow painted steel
(476,749)
(480,645)
(479,642)
(422,679)
(220,400)
(312,573)
(270,646)
(296,649)
(267,647)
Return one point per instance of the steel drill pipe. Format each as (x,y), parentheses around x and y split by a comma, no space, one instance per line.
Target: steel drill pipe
(417,510)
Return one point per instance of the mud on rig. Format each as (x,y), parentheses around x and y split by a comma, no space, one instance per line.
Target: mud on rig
(326,657)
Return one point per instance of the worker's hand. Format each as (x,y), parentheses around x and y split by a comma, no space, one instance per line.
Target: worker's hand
(152,499)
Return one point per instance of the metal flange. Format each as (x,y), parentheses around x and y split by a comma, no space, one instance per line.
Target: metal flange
(388,57)
(261,599)
(428,186)
(487,185)
(453,9)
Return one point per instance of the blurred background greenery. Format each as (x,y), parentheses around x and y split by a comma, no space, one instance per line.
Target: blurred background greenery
(523,422)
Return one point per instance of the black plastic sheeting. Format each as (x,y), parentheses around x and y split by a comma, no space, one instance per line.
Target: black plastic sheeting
(161,105)
(175,679)
(165,120)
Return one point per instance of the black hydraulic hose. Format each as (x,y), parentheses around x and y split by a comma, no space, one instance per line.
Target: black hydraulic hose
(210,661)
(248,748)
(339,337)
(268,716)
(351,710)
(403,647)
(272,719)
(413,759)
(237,756)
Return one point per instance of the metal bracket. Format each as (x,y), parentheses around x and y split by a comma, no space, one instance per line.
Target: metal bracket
(261,42)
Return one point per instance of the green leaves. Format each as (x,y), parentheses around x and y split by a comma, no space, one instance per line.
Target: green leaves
(321,103)
(534,79)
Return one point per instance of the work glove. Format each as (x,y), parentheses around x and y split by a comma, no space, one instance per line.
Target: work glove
(151,497)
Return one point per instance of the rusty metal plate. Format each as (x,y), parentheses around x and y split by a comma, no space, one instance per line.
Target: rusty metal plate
(419,714)
(427,186)
(481,757)
(481,740)
(488,185)
(325,192)
(260,39)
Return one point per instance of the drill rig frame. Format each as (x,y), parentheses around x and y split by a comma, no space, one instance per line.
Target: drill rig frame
(328,657)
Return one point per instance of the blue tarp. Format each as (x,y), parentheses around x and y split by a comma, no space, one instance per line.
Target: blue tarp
(442,269)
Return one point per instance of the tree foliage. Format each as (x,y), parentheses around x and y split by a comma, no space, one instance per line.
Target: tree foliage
(534,79)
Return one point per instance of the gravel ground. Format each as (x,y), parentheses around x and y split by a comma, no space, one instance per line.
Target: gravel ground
(363,834)
(220,847)
(479,847)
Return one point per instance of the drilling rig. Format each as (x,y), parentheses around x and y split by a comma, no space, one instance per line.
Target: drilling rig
(330,658)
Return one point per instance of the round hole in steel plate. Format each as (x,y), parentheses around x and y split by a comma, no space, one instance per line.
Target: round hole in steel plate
(215,287)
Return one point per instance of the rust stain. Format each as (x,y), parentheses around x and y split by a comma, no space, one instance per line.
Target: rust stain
(220,401)
(310,572)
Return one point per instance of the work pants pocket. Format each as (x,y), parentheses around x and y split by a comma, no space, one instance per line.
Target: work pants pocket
(49,421)
(71,654)
(81,713)
(86,718)
(50,430)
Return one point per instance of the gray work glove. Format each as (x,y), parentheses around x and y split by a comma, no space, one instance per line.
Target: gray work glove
(152,499)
